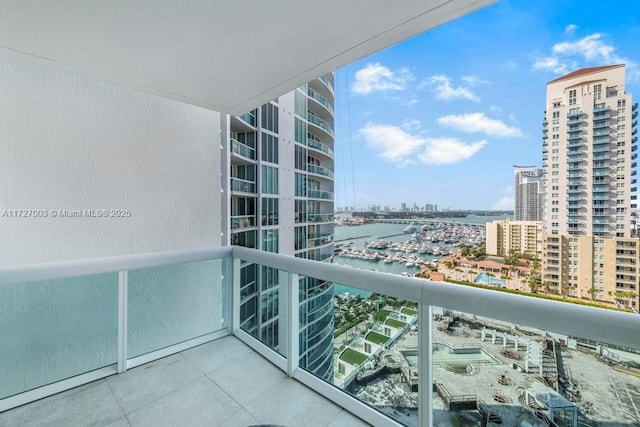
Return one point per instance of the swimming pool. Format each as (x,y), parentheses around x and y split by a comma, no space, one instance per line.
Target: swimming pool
(444,355)
(485,278)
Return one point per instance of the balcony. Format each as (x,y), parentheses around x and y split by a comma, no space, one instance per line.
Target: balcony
(600,157)
(242,221)
(575,143)
(575,113)
(601,107)
(600,140)
(575,159)
(575,121)
(242,150)
(189,362)
(249,117)
(223,382)
(320,99)
(315,120)
(317,145)
(319,194)
(321,240)
(319,218)
(601,124)
(325,80)
(243,185)
(600,149)
(319,170)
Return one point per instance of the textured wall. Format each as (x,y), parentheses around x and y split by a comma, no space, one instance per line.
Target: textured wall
(70,142)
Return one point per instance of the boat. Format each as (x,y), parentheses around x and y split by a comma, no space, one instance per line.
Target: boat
(410,228)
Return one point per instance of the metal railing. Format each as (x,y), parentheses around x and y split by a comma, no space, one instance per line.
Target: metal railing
(319,122)
(321,99)
(596,324)
(243,185)
(242,221)
(242,149)
(319,170)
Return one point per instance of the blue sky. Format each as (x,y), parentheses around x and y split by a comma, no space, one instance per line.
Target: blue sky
(442,117)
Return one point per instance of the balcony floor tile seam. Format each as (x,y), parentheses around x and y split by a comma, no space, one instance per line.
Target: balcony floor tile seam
(169,396)
(272,391)
(245,351)
(161,395)
(259,396)
(124,413)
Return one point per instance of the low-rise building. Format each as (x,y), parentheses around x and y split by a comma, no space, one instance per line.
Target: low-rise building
(505,237)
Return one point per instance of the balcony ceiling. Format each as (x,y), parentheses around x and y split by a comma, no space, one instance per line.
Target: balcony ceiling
(228,56)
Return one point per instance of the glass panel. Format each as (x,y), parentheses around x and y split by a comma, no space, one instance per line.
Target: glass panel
(53,330)
(486,369)
(174,303)
(261,308)
(365,344)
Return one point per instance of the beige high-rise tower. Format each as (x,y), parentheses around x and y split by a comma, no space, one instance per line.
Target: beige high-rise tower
(588,154)
(589,159)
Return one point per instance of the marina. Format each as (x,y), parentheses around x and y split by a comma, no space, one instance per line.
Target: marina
(401,249)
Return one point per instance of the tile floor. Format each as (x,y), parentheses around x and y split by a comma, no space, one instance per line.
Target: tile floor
(221,383)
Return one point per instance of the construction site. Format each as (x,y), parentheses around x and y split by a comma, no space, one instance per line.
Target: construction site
(491,373)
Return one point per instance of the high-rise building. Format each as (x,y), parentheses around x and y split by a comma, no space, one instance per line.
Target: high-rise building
(589,158)
(281,181)
(588,153)
(528,193)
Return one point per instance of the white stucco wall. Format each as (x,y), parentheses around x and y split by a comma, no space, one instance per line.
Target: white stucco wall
(70,142)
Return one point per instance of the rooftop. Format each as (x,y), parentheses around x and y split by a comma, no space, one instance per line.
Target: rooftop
(585,72)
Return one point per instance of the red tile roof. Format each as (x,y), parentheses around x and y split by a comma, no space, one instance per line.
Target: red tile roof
(585,71)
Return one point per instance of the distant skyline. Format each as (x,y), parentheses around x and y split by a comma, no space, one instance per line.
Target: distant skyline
(443,117)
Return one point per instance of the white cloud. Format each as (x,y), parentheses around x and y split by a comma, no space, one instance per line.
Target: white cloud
(377,77)
(412,102)
(590,50)
(478,122)
(504,204)
(411,125)
(474,80)
(495,109)
(404,146)
(510,65)
(551,63)
(571,28)
(441,85)
(391,142)
(442,151)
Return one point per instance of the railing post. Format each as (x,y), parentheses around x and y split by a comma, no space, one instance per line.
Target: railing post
(425,372)
(234,301)
(293,329)
(123,286)
(227,292)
